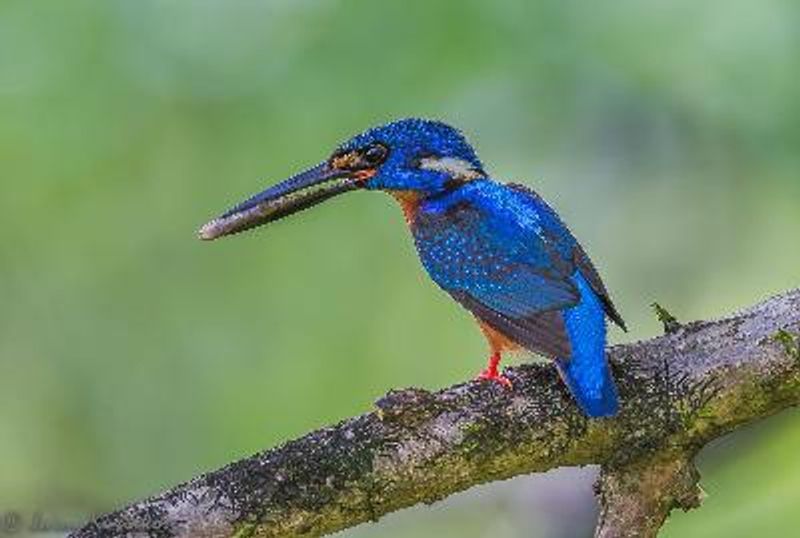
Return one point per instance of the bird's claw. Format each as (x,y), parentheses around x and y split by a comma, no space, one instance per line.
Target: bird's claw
(495,376)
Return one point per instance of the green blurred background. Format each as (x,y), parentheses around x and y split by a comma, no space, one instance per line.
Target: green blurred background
(133,356)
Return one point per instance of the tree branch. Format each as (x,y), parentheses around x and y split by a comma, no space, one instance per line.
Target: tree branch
(679,392)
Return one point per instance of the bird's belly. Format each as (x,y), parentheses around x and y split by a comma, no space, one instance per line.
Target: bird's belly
(498,342)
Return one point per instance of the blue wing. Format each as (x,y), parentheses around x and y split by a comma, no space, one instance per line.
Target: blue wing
(504,255)
(569,248)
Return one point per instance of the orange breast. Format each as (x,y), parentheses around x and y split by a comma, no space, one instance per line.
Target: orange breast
(409,202)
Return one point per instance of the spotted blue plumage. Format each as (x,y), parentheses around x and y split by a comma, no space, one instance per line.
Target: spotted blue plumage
(504,254)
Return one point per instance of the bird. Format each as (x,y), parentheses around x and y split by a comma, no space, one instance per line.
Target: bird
(498,249)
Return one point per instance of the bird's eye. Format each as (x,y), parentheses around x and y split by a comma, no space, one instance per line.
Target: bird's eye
(375,154)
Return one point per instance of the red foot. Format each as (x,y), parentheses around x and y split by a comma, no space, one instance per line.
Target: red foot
(498,378)
(491,373)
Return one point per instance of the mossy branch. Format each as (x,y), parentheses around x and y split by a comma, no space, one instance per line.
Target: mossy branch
(679,392)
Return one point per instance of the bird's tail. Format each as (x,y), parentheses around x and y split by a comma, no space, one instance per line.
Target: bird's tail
(586,372)
(594,391)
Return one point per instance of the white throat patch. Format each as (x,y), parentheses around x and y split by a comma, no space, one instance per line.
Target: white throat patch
(456,168)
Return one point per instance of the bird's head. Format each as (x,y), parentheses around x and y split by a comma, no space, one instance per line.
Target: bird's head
(411,158)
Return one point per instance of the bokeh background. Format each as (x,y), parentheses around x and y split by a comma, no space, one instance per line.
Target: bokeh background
(133,356)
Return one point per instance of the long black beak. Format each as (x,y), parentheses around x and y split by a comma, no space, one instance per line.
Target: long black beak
(299,192)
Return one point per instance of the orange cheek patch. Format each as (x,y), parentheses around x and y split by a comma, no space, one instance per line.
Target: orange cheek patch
(348,160)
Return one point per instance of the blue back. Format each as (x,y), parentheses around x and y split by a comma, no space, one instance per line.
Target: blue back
(498,244)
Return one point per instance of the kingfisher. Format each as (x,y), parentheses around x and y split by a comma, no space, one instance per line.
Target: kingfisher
(497,248)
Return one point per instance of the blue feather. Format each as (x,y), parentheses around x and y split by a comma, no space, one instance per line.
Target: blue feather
(586,372)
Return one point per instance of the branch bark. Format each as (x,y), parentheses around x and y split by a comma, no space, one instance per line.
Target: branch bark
(679,391)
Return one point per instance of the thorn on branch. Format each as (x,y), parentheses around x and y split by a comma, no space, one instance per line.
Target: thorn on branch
(670,322)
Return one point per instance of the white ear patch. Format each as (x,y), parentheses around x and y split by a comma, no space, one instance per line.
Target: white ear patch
(456,168)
